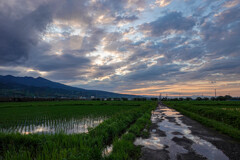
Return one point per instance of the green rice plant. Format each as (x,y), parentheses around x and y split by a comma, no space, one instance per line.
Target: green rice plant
(124,148)
(74,146)
(38,113)
(211,114)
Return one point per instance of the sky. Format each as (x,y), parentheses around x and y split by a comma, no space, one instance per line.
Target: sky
(140,47)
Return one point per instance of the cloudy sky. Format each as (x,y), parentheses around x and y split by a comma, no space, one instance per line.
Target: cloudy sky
(142,47)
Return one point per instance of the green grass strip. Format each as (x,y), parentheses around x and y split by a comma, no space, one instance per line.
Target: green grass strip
(221,127)
(123,148)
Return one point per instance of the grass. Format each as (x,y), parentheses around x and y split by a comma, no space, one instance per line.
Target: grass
(124,148)
(222,116)
(121,116)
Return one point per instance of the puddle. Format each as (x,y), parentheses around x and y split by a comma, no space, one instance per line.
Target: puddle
(57,126)
(107,151)
(169,121)
(152,143)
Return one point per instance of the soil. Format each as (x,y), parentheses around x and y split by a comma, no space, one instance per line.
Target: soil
(177,137)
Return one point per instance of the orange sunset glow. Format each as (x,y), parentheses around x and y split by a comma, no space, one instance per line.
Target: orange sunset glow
(138,47)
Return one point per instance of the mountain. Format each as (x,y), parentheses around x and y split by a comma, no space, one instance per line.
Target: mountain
(11,86)
(34,82)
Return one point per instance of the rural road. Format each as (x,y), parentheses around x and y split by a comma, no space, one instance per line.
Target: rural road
(177,137)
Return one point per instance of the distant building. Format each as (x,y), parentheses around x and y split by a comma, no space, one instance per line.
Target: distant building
(82,98)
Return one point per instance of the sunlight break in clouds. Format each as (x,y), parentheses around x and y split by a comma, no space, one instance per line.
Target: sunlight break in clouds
(163,3)
(137,47)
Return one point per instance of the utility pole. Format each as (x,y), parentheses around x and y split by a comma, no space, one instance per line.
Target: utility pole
(160,97)
(215,93)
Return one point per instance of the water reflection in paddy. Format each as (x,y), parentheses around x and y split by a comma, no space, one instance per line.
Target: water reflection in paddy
(67,126)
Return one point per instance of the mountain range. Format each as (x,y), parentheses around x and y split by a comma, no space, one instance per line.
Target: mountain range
(11,86)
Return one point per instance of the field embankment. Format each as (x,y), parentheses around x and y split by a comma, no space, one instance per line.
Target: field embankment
(175,136)
(224,116)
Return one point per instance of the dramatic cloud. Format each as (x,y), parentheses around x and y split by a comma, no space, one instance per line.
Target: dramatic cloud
(126,46)
(19,34)
(173,21)
(223,31)
(155,73)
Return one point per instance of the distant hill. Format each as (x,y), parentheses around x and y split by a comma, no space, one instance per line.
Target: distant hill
(11,86)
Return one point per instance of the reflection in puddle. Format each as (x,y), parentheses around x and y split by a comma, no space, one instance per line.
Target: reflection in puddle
(107,151)
(169,121)
(57,126)
(152,143)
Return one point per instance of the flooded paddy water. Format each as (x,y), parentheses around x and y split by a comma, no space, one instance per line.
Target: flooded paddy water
(38,125)
(170,138)
(66,126)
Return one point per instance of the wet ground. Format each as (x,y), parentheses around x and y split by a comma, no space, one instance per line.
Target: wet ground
(177,137)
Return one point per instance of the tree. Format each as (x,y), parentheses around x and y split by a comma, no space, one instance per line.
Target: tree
(181,99)
(220,98)
(227,97)
(198,98)
(125,99)
(205,98)
(213,98)
(188,98)
(154,99)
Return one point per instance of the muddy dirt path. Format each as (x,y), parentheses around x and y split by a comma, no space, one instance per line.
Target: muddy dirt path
(177,137)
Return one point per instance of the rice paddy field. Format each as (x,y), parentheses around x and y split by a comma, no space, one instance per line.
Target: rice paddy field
(72,129)
(223,116)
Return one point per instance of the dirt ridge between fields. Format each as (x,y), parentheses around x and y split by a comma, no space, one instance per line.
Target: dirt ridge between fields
(177,137)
